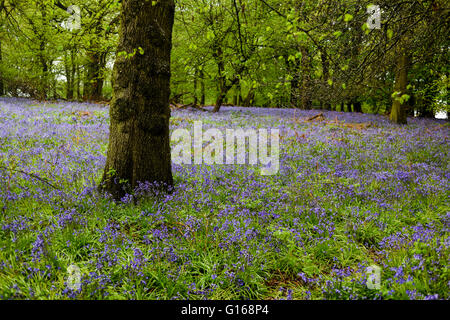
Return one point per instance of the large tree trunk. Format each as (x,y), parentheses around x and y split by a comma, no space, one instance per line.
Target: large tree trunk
(398,111)
(139,145)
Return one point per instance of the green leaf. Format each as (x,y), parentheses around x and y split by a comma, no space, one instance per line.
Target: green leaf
(395,94)
(348,17)
(390,33)
(404,98)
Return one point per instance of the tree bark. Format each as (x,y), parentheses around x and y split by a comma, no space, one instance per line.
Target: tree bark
(237,98)
(306,102)
(78,81)
(139,145)
(398,111)
(202,88)
(250,97)
(325,77)
(224,84)
(357,107)
(93,85)
(293,69)
(294,94)
(2,86)
(220,98)
(70,74)
(195,87)
(44,77)
(223,88)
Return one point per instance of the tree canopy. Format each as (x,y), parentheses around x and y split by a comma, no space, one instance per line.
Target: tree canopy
(340,55)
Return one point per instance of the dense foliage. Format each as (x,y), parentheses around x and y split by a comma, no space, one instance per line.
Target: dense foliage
(241,52)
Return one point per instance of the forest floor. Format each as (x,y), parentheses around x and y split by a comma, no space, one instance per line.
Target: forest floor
(353,191)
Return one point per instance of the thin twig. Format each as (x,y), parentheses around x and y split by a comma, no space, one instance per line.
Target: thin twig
(33,176)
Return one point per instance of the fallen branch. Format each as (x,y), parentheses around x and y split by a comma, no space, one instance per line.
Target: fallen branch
(32,175)
(319,117)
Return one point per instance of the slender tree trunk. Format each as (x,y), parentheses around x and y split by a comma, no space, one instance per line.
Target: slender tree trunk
(398,111)
(195,87)
(73,71)
(237,99)
(93,84)
(294,94)
(306,102)
(70,75)
(249,99)
(326,105)
(355,45)
(293,69)
(223,84)
(55,89)
(139,144)
(2,86)
(223,90)
(78,81)
(220,98)
(202,88)
(44,78)
(357,107)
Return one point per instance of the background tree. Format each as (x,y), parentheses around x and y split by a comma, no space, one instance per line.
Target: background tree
(266,53)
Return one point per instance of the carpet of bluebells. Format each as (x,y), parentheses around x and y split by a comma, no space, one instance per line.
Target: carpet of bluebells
(353,191)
